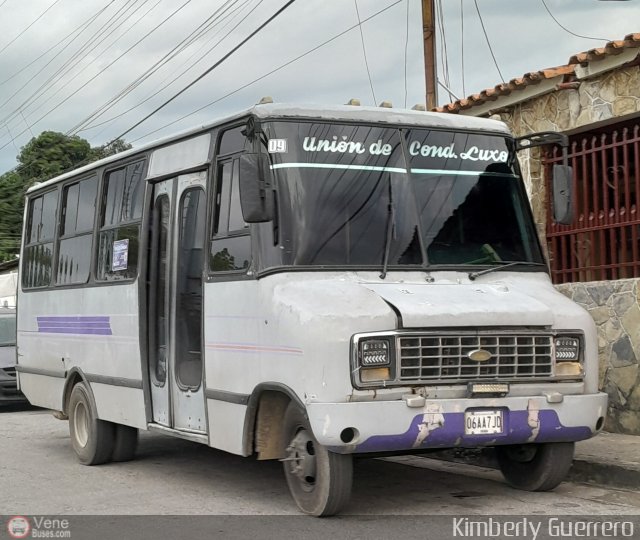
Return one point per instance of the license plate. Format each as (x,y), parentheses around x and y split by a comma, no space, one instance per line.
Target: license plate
(483,422)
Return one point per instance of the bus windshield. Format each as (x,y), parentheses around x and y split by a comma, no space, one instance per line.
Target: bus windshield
(359,195)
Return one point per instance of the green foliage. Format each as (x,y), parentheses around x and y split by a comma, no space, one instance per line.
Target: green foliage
(43,157)
(12,190)
(50,154)
(115,147)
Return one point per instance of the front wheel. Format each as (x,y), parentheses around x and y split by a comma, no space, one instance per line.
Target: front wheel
(319,481)
(535,467)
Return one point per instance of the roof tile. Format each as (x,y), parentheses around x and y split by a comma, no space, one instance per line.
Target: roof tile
(612,48)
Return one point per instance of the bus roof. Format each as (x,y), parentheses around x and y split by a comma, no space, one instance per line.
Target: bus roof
(340,113)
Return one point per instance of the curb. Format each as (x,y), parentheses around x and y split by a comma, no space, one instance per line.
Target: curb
(604,474)
(583,471)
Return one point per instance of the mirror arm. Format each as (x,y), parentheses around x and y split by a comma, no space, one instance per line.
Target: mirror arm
(544,138)
(541,139)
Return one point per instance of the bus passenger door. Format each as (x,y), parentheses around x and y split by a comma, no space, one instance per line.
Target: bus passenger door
(159,305)
(175,303)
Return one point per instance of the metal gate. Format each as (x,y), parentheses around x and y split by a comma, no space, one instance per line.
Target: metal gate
(602,241)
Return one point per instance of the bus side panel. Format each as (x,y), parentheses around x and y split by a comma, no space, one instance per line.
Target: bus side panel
(244,347)
(227,421)
(42,390)
(110,400)
(93,329)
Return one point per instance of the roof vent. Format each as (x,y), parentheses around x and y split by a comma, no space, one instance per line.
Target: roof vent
(386,104)
(354,101)
(418,107)
(265,100)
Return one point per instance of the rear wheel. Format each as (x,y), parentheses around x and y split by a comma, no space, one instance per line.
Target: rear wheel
(319,481)
(535,467)
(91,438)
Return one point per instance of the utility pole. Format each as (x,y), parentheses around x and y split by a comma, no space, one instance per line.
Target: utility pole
(429,33)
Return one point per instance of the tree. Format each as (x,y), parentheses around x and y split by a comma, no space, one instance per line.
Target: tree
(12,191)
(43,157)
(51,153)
(115,147)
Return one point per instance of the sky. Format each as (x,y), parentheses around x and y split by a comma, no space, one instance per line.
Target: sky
(98,68)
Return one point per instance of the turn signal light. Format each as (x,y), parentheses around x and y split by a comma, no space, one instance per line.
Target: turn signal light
(569,369)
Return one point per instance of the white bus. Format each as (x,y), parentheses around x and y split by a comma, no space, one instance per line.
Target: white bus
(307,285)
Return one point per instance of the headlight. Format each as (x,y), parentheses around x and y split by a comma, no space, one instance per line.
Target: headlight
(375,360)
(567,349)
(375,352)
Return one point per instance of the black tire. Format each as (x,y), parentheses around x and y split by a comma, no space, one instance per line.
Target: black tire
(91,438)
(535,467)
(125,444)
(319,481)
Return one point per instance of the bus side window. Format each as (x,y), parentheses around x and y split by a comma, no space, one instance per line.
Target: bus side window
(76,231)
(230,240)
(38,252)
(120,215)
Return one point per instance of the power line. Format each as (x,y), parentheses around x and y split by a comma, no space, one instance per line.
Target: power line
(566,29)
(69,80)
(488,42)
(208,25)
(443,48)
(104,69)
(364,52)
(264,76)
(209,70)
(27,28)
(406,47)
(464,92)
(84,50)
(85,23)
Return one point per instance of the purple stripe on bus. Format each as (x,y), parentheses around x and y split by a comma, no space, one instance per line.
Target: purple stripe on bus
(73,319)
(78,331)
(78,325)
(72,324)
(450,433)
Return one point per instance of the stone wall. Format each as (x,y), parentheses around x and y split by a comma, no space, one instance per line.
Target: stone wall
(614,305)
(613,94)
(615,308)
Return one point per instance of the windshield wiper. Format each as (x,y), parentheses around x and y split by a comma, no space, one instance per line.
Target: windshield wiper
(391,225)
(505,264)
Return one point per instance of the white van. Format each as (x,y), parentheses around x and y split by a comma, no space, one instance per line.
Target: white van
(9,392)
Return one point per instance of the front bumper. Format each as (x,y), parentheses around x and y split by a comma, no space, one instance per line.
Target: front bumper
(9,392)
(394,426)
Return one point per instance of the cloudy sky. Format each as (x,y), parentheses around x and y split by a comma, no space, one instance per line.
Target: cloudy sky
(96,68)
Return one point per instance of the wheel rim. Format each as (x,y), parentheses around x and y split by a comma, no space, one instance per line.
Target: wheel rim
(523,453)
(81,424)
(301,460)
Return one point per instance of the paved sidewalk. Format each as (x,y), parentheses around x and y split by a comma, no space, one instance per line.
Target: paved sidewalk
(609,459)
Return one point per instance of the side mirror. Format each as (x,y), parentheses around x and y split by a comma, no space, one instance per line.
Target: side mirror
(256,197)
(562,194)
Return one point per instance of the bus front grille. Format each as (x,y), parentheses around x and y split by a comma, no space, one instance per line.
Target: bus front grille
(445,358)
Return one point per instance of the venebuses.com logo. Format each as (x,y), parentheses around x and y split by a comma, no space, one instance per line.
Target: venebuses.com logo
(38,527)
(18,527)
